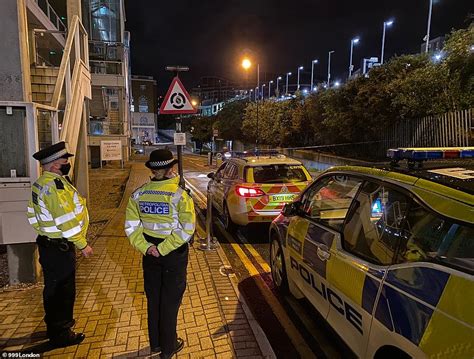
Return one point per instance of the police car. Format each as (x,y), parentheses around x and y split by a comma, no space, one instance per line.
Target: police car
(254,187)
(386,255)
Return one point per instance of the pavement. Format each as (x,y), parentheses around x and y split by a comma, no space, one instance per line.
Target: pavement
(110,307)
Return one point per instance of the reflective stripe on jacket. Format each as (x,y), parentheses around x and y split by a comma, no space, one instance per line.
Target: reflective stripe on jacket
(56,210)
(160,209)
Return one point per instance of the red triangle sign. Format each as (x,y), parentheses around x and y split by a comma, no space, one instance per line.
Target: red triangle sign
(177,100)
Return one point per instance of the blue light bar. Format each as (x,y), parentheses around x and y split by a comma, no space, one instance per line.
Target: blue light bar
(430,153)
(467,153)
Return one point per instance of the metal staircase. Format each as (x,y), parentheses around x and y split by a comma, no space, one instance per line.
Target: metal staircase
(64,89)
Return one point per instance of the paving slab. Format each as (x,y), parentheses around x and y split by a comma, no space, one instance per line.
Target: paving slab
(110,305)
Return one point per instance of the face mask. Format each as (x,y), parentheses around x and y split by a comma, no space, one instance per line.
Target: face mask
(65,168)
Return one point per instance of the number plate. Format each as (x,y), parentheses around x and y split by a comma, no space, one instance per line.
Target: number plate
(282,197)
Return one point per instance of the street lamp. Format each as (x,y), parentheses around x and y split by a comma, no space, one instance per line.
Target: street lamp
(351,67)
(312,71)
(329,68)
(337,84)
(246,63)
(298,83)
(263,93)
(278,80)
(385,25)
(269,87)
(427,37)
(287,74)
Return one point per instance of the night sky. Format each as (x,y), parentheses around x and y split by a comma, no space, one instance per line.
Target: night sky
(211,36)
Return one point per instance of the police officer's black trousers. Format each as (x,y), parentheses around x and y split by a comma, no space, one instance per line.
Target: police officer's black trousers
(165,282)
(59,270)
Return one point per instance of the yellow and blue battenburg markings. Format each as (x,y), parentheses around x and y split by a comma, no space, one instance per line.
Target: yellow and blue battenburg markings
(430,307)
(430,153)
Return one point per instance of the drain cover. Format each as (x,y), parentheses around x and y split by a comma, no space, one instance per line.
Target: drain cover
(226,271)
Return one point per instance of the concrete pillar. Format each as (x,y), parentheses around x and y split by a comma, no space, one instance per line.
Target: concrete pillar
(23,264)
(15,86)
(13,47)
(81,172)
(73,8)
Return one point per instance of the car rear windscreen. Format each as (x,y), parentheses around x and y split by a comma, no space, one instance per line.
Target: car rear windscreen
(279,173)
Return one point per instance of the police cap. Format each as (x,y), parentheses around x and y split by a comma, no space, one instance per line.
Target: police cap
(160,159)
(52,153)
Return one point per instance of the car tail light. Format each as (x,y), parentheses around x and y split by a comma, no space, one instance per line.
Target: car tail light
(249,191)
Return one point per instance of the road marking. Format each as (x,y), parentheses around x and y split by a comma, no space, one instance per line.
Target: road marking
(262,262)
(295,336)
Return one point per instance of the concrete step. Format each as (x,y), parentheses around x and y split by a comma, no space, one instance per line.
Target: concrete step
(44,71)
(44,98)
(43,80)
(40,88)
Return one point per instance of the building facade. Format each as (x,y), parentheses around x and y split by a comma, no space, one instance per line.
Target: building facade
(109,58)
(44,93)
(144,109)
(214,89)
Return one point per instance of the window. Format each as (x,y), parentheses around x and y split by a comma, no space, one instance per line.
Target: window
(114,105)
(375,219)
(220,171)
(430,237)
(280,173)
(231,171)
(328,200)
(142,104)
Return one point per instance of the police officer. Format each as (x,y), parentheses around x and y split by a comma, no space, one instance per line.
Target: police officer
(160,221)
(59,215)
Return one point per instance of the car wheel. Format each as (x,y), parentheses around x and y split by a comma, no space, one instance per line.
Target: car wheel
(228,224)
(277,265)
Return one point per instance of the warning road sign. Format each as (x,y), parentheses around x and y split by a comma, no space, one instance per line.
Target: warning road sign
(177,100)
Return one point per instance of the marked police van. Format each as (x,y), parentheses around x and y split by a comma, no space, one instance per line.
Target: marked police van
(386,255)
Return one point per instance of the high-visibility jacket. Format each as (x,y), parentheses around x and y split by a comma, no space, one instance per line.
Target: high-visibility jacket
(160,209)
(57,210)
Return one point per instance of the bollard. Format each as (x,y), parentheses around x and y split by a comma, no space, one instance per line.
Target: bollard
(209,243)
(209,158)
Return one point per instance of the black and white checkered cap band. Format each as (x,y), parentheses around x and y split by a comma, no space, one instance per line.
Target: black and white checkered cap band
(161,163)
(53,157)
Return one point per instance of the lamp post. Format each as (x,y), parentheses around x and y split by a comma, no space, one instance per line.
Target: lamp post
(263,93)
(298,82)
(351,67)
(269,88)
(246,64)
(430,11)
(287,74)
(385,25)
(329,67)
(278,80)
(312,73)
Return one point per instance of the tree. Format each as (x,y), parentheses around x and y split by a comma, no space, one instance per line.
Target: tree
(229,120)
(201,128)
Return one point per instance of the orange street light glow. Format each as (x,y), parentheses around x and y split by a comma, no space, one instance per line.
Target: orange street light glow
(246,64)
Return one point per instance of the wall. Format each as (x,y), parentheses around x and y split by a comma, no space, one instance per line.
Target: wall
(11,83)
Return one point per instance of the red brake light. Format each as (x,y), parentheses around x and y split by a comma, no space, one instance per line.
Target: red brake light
(249,191)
